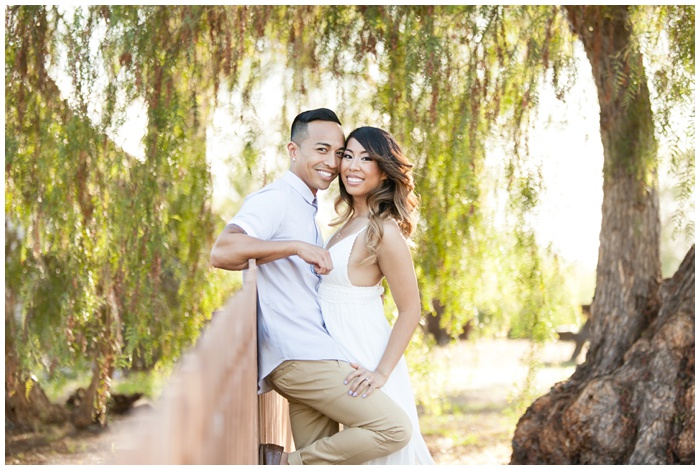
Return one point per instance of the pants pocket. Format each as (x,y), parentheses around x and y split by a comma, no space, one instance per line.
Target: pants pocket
(277,376)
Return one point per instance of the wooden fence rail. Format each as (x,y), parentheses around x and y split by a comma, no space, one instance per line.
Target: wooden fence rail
(210,412)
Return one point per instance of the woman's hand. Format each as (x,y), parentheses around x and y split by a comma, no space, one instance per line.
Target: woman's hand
(363,381)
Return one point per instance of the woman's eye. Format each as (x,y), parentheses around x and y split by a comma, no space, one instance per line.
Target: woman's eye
(347,156)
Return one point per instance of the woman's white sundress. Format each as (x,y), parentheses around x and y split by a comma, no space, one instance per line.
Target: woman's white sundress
(355,318)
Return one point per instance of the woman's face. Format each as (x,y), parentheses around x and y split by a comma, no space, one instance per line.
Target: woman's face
(360,173)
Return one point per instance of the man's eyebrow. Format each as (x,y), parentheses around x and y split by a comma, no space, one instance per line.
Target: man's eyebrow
(325,144)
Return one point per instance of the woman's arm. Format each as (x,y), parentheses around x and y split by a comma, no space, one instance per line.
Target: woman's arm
(396,264)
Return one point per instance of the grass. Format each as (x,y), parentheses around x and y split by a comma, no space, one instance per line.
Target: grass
(149,383)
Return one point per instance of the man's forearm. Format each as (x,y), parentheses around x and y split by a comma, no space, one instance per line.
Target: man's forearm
(233,249)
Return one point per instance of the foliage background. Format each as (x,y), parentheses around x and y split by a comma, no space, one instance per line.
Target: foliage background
(107,252)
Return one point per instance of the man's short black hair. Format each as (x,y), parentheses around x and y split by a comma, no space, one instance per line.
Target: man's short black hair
(301,122)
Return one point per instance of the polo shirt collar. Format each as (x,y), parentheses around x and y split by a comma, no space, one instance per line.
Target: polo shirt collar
(299,186)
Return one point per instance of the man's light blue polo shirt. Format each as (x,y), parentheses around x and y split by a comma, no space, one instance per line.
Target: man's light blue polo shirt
(290,324)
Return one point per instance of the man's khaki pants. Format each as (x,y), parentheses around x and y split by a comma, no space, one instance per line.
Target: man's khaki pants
(318,400)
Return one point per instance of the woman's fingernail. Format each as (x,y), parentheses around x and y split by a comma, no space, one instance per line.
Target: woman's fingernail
(364,396)
(346,382)
(350,392)
(354,394)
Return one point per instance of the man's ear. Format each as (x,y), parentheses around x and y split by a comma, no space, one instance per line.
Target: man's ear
(292,150)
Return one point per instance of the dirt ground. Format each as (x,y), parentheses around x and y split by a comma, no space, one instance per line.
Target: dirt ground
(482,388)
(475,427)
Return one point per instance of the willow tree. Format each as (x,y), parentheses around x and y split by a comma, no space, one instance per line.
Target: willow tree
(106,254)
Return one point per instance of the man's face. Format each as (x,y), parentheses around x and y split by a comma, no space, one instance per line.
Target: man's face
(315,159)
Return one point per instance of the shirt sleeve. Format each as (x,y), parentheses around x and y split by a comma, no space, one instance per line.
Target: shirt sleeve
(262,214)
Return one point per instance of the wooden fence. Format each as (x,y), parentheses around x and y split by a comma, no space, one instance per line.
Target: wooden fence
(210,412)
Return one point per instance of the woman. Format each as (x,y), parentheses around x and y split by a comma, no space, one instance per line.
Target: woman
(377,201)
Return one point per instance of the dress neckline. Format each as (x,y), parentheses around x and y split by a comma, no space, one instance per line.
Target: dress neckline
(347,237)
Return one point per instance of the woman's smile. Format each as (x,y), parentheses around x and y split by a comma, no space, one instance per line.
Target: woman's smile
(353,180)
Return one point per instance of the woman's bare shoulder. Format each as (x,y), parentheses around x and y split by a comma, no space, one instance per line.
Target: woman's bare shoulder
(392,231)
(391,225)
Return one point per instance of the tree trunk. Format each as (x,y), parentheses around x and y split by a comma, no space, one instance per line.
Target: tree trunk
(643,413)
(92,408)
(629,261)
(26,404)
(618,407)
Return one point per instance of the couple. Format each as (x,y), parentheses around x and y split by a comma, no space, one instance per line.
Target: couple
(323,340)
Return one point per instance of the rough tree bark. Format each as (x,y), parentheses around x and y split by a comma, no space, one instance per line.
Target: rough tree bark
(642,413)
(632,401)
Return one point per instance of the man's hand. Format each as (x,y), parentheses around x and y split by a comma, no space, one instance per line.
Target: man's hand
(318,257)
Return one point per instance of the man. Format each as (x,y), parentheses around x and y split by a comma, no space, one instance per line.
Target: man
(296,356)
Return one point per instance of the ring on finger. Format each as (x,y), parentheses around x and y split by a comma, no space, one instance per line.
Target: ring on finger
(367,379)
